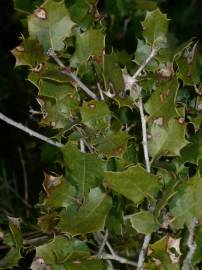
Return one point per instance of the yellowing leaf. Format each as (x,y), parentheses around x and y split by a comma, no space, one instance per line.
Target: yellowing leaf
(134,183)
(50,24)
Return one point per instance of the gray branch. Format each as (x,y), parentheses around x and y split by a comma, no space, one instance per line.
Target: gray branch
(29,131)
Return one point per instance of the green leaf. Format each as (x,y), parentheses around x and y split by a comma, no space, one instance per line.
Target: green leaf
(167,141)
(86,265)
(188,64)
(197,257)
(50,24)
(96,115)
(186,204)
(13,255)
(89,43)
(161,104)
(25,6)
(10,259)
(61,250)
(85,169)
(144,222)
(193,152)
(112,73)
(90,217)
(29,53)
(142,53)
(113,144)
(134,183)
(60,193)
(155,28)
(61,102)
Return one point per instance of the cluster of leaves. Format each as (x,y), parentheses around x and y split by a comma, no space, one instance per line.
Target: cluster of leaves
(104,185)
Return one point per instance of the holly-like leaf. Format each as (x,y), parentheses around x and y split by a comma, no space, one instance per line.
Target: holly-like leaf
(167,141)
(134,183)
(193,152)
(142,53)
(96,115)
(144,222)
(186,204)
(112,73)
(60,193)
(113,144)
(86,170)
(13,255)
(59,251)
(89,43)
(50,24)
(90,217)
(188,64)
(30,53)
(155,27)
(161,104)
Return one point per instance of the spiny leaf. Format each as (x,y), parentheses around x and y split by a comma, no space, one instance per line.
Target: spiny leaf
(86,170)
(161,104)
(29,53)
(89,43)
(90,217)
(167,141)
(50,24)
(112,73)
(61,250)
(60,193)
(188,64)
(96,115)
(134,183)
(186,204)
(142,53)
(155,27)
(193,152)
(113,144)
(144,222)
(13,255)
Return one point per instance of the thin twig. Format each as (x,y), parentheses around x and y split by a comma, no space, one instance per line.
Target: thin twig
(102,246)
(144,134)
(71,75)
(29,131)
(113,256)
(97,80)
(134,82)
(140,69)
(191,245)
(119,259)
(143,251)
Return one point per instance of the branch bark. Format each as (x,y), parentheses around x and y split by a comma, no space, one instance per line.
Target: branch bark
(71,75)
(191,245)
(29,131)
(134,82)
